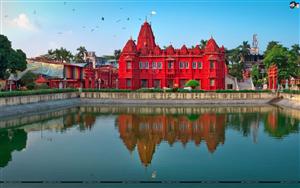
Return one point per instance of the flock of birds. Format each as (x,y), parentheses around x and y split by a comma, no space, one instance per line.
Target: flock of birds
(102,19)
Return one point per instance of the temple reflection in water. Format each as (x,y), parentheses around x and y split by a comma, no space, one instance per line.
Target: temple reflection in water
(142,129)
(147,131)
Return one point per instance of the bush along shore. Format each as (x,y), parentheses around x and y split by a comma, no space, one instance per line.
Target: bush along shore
(35,92)
(143,90)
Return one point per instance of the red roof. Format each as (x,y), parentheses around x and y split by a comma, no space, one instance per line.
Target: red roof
(41,80)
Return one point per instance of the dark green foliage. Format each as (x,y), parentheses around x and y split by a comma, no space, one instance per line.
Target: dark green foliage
(28,78)
(35,92)
(79,57)
(286,60)
(61,54)
(291,91)
(10,60)
(30,85)
(42,86)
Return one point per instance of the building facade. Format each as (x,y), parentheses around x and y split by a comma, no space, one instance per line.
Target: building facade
(146,65)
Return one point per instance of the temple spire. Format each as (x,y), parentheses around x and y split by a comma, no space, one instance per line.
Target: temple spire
(146,38)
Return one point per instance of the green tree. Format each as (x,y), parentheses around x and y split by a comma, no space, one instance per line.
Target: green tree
(117,54)
(278,55)
(203,43)
(28,80)
(256,76)
(234,63)
(61,54)
(244,50)
(192,83)
(79,57)
(10,60)
(270,45)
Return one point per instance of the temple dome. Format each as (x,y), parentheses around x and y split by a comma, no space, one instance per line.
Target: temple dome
(130,47)
(170,50)
(184,50)
(211,46)
(196,50)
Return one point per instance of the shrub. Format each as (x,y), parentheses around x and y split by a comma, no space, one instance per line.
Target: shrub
(35,92)
(30,85)
(42,86)
(291,91)
(27,79)
(192,83)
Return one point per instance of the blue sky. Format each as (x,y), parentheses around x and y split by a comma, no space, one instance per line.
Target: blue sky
(36,26)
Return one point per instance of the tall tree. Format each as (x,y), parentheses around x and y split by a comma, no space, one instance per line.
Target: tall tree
(61,54)
(244,50)
(10,60)
(79,57)
(203,43)
(286,61)
(270,45)
(117,54)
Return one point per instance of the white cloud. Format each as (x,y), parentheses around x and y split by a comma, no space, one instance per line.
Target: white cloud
(153,12)
(23,22)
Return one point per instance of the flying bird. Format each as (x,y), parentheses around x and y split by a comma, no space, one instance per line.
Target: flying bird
(92,30)
(102,18)
(118,20)
(128,19)
(59,33)
(73,9)
(123,28)
(65,3)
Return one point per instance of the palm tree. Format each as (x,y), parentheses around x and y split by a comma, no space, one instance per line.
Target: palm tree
(61,54)
(203,43)
(244,51)
(117,54)
(79,57)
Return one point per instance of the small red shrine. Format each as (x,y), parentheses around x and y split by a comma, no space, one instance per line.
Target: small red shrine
(272,77)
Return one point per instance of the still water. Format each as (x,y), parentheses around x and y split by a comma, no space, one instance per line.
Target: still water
(152,143)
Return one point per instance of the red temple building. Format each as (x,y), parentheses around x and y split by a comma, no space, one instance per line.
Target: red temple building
(146,65)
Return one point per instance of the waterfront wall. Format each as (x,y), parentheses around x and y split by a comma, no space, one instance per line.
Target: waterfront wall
(19,100)
(292,97)
(150,98)
(176,98)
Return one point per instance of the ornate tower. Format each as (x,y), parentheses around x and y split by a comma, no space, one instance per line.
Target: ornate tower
(128,66)
(146,38)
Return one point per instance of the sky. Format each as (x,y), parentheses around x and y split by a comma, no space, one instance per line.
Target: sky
(35,26)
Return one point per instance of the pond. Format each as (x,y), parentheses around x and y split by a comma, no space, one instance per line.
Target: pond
(111,143)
